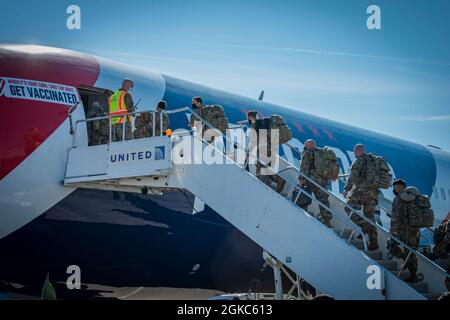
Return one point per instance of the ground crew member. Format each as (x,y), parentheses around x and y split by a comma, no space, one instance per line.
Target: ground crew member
(121,103)
(308,168)
(403,231)
(360,193)
(257,124)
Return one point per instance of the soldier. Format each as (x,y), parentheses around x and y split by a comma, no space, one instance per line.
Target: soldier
(441,248)
(161,114)
(361,193)
(144,122)
(197,106)
(258,124)
(308,168)
(442,239)
(98,130)
(214,116)
(121,103)
(403,231)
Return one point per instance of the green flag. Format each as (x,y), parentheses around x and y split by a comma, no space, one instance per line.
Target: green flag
(48,291)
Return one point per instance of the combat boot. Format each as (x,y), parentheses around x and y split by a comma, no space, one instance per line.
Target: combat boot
(373,245)
(280,184)
(327,222)
(412,278)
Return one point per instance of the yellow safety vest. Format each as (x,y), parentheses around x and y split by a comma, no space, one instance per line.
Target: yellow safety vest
(117,106)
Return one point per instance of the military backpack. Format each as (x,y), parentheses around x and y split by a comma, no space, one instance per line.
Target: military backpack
(215,115)
(284,132)
(378,172)
(325,163)
(441,232)
(419,212)
(142,120)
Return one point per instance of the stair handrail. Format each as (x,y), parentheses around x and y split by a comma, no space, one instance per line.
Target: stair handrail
(353,210)
(361,215)
(243,125)
(346,222)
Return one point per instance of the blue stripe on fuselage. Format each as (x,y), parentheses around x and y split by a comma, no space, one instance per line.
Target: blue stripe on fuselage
(410,161)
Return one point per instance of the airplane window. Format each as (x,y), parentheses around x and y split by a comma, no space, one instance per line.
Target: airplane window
(443,194)
(448,193)
(435,193)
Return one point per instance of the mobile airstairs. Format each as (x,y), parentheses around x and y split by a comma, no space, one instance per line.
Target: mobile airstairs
(334,261)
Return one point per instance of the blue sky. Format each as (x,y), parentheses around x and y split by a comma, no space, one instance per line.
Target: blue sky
(315,56)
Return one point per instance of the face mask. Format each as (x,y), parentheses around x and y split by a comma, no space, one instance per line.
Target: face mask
(194,106)
(130,90)
(395,192)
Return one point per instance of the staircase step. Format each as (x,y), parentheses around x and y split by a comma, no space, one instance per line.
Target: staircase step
(431,296)
(347,233)
(358,243)
(375,255)
(391,265)
(421,287)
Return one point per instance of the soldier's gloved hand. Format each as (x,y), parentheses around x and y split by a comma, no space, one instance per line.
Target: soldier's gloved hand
(301,182)
(389,244)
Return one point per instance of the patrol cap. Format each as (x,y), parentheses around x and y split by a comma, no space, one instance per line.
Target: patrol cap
(413,190)
(399,181)
(162,105)
(252,113)
(409,194)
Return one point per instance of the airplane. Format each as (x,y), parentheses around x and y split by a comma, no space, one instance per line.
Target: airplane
(170,239)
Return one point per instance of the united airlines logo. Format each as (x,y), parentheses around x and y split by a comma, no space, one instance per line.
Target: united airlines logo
(131,156)
(160,153)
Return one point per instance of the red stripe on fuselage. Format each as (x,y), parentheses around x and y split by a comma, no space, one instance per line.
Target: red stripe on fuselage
(25,124)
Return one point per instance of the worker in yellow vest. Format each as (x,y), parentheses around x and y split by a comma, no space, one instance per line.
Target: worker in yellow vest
(121,103)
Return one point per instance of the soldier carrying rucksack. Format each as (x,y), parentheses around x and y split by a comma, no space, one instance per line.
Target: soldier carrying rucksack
(410,212)
(441,248)
(368,174)
(319,164)
(214,115)
(98,130)
(144,122)
(441,237)
(263,130)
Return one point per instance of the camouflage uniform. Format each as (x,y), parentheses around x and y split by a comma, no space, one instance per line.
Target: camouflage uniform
(98,130)
(442,246)
(215,116)
(404,232)
(144,124)
(307,167)
(194,119)
(117,133)
(265,178)
(362,194)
